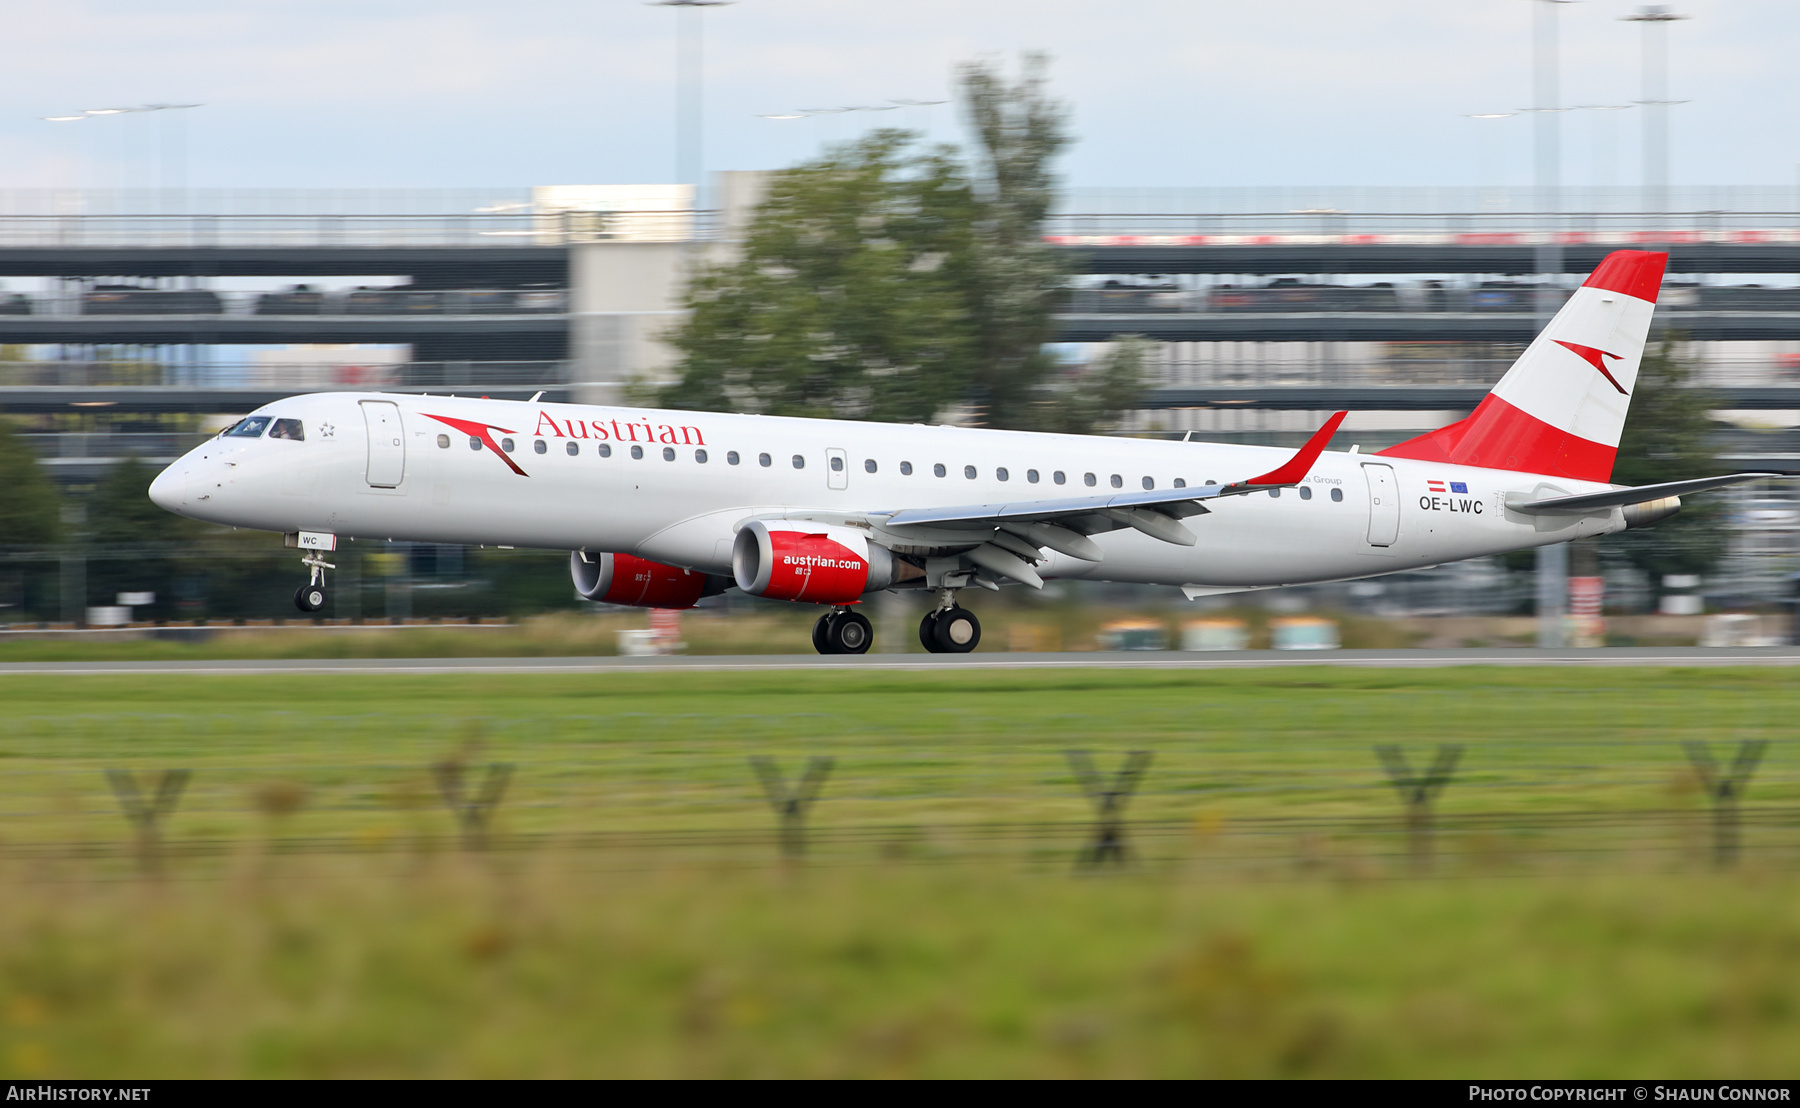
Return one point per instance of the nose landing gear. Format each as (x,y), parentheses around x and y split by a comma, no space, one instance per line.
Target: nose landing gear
(843,631)
(311,596)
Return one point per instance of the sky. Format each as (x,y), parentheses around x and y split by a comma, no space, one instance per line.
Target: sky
(449,93)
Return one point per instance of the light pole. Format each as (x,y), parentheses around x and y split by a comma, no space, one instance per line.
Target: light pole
(179,146)
(1655,19)
(1490,168)
(1605,143)
(689,81)
(1552,561)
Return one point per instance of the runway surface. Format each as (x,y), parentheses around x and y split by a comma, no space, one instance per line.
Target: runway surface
(745,663)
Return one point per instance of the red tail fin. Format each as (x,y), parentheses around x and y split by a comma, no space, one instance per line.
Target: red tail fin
(1561,407)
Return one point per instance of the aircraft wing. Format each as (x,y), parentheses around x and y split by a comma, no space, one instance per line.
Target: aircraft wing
(1063,524)
(1613,498)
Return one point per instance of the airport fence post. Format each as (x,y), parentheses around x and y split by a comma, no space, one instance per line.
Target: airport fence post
(1417,791)
(1108,842)
(472,813)
(1725,790)
(146,814)
(792,806)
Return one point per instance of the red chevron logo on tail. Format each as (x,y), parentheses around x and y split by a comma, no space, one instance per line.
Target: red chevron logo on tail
(1592,356)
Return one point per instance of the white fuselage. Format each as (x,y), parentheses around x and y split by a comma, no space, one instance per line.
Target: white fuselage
(440,482)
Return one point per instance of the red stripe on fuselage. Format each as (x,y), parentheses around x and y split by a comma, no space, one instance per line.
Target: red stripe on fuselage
(1500,436)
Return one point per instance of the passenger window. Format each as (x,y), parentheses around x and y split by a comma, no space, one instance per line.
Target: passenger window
(1305,493)
(668,453)
(248,428)
(506,445)
(571,448)
(764,460)
(443,442)
(1337,495)
(1149,484)
(837,464)
(540,446)
(1059,477)
(606,450)
(868,465)
(1001,474)
(799,461)
(637,452)
(474,442)
(700,456)
(938,470)
(1181,482)
(288,429)
(1274,494)
(969,472)
(1117,481)
(906,469)
(1089,480)
(731,457)
(1031,475)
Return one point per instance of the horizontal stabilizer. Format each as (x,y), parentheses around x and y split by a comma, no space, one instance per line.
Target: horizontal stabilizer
(1613,498)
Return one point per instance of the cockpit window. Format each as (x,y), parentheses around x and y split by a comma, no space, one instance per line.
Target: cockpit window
(288,429)
(247,428)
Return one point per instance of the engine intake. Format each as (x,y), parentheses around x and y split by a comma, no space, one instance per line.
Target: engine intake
(816,563)
(638,582)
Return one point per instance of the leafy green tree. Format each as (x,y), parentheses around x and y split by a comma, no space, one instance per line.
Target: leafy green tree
(1097,397)
(30,510)
(1013,276)
(1665,439)
(886,282)
(845,302)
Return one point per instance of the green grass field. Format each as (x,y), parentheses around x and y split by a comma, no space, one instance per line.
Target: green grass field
(310,913)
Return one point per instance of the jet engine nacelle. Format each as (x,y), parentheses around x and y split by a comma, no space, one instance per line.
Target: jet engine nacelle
(817,563)
(637,582)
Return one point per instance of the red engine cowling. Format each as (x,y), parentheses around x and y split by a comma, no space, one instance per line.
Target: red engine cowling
(635,582)
(815,563)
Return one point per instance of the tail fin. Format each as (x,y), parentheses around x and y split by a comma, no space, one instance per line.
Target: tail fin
(1561,407)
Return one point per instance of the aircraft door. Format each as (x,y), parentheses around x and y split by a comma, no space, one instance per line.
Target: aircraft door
(1384,504)
(837,469)
(387,443)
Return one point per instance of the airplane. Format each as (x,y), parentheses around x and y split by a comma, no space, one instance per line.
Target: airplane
(660,508)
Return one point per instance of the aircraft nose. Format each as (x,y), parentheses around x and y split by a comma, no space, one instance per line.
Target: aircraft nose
(169,490)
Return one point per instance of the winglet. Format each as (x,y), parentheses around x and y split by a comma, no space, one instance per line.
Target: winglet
(1297,467)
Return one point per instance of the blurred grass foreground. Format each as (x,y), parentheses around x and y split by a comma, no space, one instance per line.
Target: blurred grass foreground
(310,905)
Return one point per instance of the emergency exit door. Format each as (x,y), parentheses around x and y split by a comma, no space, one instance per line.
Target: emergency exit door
(1384,504)
(387,443)
(837,469)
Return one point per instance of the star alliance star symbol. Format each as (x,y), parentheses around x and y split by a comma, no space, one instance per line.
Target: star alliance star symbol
(325,430)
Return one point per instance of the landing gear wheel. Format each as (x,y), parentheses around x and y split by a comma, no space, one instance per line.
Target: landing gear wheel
(928,632)
(849,633)
(955,631)
(821,634)
(309,598)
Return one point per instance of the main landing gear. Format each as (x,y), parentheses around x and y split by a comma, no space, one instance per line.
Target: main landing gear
(311,596)
(951,629)
(842,631)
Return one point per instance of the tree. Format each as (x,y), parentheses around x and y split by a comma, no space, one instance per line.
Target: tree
(1013,277)
(30,510)
(886,282)
(846,301)
(1098,396)
(1665,439)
